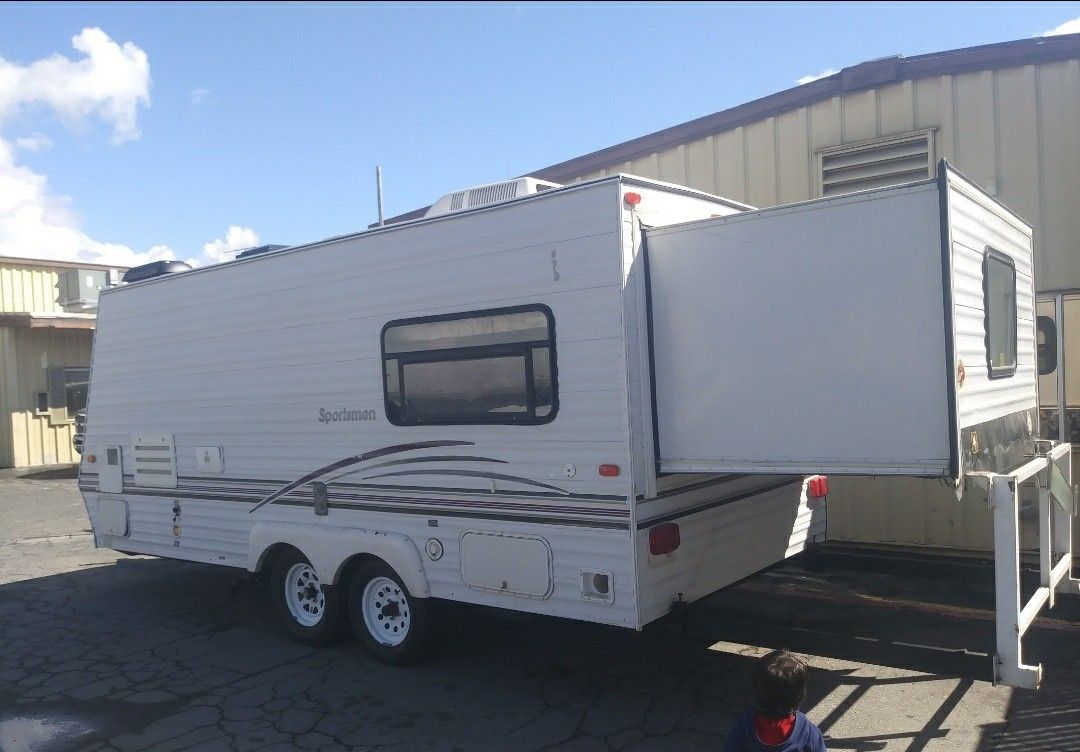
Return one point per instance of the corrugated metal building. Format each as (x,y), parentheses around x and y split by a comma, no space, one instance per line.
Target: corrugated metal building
(1007,115)
(47,313)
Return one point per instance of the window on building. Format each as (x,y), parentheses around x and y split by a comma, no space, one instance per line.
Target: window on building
(67,392)
(1046,344)
(999,298)
(876,164)
(483,367)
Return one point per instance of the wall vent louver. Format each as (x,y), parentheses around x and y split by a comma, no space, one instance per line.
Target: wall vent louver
(876,164)
(155,461)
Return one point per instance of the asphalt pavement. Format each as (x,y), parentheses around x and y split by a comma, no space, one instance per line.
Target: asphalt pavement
(102,651)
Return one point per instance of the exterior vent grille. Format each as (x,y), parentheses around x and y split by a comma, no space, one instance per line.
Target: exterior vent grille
(489,194)
(155,461)
(876,164)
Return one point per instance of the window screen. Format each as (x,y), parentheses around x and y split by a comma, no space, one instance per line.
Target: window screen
(484,367)
(999,290)
(1045,345)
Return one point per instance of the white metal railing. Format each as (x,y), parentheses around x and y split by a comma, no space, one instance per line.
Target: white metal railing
(1012,619)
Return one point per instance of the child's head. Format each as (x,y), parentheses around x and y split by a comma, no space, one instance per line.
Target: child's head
(779,684)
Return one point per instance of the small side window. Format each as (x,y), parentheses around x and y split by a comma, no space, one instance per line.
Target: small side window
(1046,344)
(999,299)
(481,367)
(41,403)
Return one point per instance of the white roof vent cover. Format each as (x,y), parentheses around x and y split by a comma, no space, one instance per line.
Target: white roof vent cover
(482,195)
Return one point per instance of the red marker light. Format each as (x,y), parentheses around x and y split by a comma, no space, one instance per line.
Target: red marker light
(818,486)
(664,538)
(632,199)
(609,471)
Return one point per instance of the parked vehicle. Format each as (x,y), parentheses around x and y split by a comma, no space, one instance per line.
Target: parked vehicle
(80,431)
(595,401)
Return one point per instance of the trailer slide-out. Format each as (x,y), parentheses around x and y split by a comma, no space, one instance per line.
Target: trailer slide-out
(592,401)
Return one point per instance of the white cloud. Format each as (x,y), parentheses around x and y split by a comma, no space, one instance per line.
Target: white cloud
(111,81)
(816,76)
(236,239)
(37,224)
(35,142)
(1069,27)
(198,96)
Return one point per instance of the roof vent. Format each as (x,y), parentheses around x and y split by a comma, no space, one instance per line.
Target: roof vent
(259,250)
(483,195)
(154,269)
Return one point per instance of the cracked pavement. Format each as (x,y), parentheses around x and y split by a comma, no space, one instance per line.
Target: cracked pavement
(101,651)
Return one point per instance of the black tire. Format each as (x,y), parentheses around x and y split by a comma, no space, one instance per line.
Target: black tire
(330,624)
(398,607)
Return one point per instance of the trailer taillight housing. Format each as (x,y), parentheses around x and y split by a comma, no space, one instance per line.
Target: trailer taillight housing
(817,486)
(664,538)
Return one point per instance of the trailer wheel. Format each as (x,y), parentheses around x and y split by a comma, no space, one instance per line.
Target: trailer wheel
(391,624)
(311,613)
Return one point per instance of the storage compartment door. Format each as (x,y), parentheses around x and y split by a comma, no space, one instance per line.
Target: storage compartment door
(520,565)
(807,338)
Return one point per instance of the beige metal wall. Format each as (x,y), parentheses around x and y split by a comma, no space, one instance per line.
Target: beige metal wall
(1014,131)
(27,439)
(28,289)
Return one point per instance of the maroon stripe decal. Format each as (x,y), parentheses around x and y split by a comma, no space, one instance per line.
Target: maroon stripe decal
(355,460)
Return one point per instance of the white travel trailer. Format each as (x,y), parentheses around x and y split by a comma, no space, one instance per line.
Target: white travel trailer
(595,401)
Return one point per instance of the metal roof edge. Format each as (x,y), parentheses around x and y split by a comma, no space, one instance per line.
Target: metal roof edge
(20,261)
(865,75)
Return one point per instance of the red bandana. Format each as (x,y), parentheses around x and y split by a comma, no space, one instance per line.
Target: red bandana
(773,731)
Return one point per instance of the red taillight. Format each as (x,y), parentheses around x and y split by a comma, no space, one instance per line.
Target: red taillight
(664,538)
(632,199)
(609,471)
(818,486)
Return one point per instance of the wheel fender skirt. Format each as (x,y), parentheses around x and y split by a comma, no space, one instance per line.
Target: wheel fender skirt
(329,548)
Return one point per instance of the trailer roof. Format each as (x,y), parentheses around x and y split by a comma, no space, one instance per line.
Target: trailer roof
(619,178)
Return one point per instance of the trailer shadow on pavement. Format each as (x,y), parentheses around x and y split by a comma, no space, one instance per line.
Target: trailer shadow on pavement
(141,653)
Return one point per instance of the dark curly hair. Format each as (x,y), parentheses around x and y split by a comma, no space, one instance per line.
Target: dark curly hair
(779,684)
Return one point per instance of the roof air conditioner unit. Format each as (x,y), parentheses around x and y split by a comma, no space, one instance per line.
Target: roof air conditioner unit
(493,193)
(77,289)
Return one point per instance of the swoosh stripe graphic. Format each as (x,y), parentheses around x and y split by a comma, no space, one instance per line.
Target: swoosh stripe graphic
(356,460)
(435,458)
(471,474)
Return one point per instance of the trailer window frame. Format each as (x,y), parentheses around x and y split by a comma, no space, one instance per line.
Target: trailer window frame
(395,362)
(991,258)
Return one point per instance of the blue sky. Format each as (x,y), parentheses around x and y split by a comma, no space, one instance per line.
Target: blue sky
(272,117)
